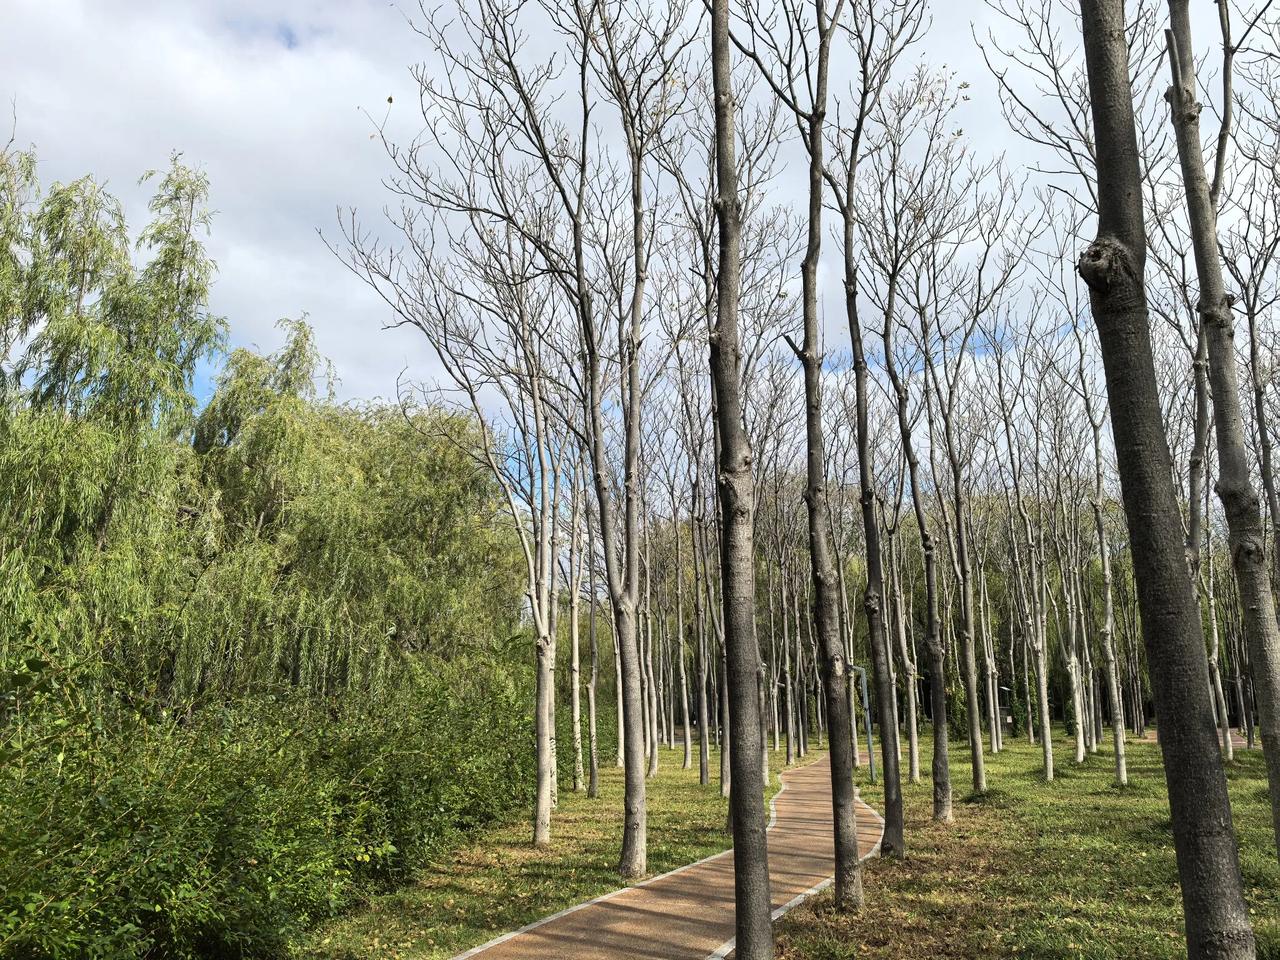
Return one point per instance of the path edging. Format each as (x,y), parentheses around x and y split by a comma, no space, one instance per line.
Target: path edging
(773,818)
(727,947)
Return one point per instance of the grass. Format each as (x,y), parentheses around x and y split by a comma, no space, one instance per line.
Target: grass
(1077,868)
(497,882)
(1073,869)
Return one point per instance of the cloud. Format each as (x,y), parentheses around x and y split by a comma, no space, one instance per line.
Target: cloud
(268,97)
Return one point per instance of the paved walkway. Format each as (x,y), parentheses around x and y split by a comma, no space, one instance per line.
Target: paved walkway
(688,914)
(1238,740)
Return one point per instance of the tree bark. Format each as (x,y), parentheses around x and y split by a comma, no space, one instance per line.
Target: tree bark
(1217,918)
(621,725)
(546,759)
(753,922)
(1235,487)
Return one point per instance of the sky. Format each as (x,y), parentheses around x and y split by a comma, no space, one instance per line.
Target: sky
(267,98)
(276,101)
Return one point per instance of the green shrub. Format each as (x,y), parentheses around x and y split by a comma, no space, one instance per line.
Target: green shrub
(223,833)
(1018,710)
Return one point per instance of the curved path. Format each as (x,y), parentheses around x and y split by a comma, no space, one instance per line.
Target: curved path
(687,914)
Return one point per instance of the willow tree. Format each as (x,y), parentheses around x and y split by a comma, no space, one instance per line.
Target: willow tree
(100,341)
(108,338)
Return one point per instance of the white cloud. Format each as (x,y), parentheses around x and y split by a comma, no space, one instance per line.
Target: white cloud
(267,97)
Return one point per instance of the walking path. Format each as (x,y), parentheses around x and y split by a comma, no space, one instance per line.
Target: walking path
(1238,740)
(687,914)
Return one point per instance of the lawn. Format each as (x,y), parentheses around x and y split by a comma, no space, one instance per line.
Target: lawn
(1077,868)
(498,882)
(1073,869)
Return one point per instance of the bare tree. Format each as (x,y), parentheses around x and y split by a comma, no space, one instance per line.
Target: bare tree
(736,487)
(489,324)
(950,298)
(880,34)
(508,159)
(799,78)
(896,231)
(1217,919)
(1235,486)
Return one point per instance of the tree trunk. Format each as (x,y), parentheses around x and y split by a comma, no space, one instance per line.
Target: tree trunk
(634,839)
(1235,487)
(680,654)
(593,781)
(1215,674)
(908,666)
(575,654)
(655,708)
(575,696)
(727,746)
(1265,468)
(968,660)
(1107,633)
(753,922)
(543,721)
(988,663)
(622,727)
(1217,918)
(787,680)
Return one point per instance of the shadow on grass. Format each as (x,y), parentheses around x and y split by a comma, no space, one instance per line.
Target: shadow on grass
(995,798)
(1073,868)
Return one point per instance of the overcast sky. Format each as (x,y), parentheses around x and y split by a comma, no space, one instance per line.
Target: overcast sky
(268,97)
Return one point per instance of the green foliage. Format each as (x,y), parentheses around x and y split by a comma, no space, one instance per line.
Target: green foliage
(957,712)
(253,658)
(127,834)
(496,882)
(1018,710)
(1069,714)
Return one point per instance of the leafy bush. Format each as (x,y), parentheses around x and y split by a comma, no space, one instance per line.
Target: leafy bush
(128,833)
(1018,709)
(957,713)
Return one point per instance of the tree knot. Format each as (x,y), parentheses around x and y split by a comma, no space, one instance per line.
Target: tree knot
(1216,314)
(1103,262)
(1248,548)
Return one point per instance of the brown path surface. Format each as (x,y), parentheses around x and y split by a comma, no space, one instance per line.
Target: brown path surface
(1237,738)
(688,914)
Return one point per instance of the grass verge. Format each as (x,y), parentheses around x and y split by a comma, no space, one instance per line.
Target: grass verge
(497,882)
(1077,868)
